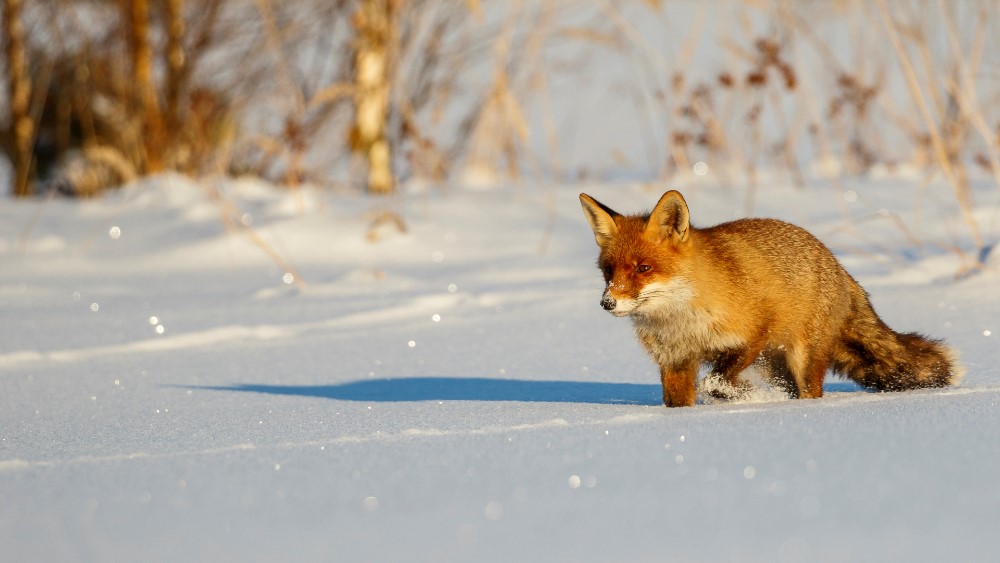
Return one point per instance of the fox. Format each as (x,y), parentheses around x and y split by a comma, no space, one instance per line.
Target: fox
(749,291)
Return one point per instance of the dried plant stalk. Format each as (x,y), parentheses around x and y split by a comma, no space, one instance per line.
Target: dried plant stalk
(964,91)
(175,63)
(19,83)
(958,182)
(141,51)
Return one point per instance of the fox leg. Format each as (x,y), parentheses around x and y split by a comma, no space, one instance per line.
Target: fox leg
(730,364)
(678,384)
(724,380)
(808,366)
(775,368)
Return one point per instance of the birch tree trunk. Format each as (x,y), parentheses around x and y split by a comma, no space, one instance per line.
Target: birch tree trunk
(374,24)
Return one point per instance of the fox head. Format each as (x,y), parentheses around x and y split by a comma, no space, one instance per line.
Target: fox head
(642,256)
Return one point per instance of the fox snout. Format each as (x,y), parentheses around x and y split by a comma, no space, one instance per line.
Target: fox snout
(618,307)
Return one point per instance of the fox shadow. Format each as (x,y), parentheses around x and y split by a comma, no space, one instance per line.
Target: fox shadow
(418,389)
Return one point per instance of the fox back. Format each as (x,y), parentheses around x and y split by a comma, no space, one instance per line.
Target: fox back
(749,290)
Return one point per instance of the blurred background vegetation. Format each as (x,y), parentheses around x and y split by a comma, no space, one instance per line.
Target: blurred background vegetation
(363,93)
(368,95)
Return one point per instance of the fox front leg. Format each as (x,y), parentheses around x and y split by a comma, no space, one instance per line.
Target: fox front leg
(678,384)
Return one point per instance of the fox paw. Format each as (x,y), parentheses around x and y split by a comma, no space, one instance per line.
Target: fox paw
(715,388)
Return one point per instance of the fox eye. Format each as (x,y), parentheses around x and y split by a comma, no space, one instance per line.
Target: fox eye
(643,268)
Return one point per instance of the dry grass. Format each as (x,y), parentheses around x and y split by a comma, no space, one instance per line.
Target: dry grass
(90,100)
(850,86)
(272,89)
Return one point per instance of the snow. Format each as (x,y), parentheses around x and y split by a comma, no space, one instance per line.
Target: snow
(455,392)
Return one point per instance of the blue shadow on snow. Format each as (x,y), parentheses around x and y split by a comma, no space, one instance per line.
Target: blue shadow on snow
(414,389)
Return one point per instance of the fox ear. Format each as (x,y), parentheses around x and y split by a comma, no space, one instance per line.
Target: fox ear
(601,219)
(670,219)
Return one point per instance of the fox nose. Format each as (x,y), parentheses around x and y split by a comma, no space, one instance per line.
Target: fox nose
(608,302)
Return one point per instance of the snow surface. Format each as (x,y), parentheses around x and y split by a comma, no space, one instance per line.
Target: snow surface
(455,392)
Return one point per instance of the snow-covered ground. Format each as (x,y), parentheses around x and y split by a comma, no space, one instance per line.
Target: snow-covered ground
(455,392)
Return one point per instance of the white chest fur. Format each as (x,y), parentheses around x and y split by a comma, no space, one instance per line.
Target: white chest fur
(674,330)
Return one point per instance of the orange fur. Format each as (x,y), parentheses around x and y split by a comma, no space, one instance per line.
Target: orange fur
(748,289)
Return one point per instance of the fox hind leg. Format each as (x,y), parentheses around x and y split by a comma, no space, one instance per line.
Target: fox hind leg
(808,365)
(775,368)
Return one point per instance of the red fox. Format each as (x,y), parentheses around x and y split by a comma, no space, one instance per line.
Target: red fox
(749,290)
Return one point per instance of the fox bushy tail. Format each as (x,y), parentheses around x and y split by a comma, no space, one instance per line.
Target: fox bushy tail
(879,358)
